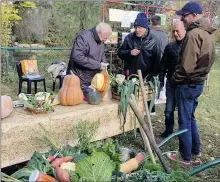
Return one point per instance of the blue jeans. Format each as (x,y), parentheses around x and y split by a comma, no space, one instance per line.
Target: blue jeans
(170,107)
(187,101)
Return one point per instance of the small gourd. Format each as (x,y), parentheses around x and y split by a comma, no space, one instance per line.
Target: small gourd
(6,106)
(94,98)
(70,93)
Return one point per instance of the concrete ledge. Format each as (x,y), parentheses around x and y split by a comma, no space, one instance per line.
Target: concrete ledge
(21,135)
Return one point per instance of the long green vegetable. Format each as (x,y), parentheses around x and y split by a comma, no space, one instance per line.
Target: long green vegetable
(7,178)
(154,85)
(125,90)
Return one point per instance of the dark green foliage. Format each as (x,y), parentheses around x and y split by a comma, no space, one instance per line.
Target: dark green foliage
(152,167)
(39,162)
(72,151)
(86,132)
(56,23)
(108,147)
(157,176)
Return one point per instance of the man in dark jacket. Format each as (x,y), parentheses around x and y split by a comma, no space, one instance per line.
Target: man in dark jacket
(141,50)
(167,68)
(196,58)
(158,32)
(87,56)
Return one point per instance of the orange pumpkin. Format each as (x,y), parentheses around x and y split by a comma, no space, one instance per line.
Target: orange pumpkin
(70,93)
(6,106)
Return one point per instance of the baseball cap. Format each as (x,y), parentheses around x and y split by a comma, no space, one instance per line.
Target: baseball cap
(191,7)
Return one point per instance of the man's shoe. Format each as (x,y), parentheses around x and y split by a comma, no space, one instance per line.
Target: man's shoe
(165,134)
(197,155)
(174,157)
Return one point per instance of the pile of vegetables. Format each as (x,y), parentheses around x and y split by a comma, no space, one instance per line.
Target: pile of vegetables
(98,162)
(40,102)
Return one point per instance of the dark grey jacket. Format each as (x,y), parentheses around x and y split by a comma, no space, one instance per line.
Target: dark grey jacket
(162,36)
(86,57)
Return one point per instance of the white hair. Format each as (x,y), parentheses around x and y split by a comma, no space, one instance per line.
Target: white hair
(104,27)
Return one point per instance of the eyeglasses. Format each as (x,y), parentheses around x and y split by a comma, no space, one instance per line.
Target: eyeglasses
(184,16)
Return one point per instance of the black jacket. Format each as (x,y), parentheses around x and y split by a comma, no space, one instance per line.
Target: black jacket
(149,58)
(169,60)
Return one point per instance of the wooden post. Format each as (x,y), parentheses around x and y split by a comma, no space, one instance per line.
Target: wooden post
(146,142)
(133,105)
(145,103)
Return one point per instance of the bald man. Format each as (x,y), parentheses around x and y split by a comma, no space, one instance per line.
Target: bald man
(168,64)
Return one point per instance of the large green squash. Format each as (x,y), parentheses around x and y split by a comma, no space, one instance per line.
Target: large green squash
(94,98)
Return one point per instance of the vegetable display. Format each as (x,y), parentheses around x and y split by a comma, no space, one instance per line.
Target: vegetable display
(38,103)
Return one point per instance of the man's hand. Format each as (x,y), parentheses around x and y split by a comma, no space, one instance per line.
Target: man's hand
(135,52)
(104,66)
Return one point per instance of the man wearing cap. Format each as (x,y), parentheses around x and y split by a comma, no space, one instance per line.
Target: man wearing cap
(141,50)
(87,56)
(195,61)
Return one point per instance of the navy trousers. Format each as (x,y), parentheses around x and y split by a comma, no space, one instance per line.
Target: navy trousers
(187,101)
(170,107)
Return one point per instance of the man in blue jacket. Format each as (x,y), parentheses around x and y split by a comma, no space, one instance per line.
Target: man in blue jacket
(87,56)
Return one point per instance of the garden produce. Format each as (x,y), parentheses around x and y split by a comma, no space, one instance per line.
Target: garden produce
(107,96)
(37,176)
(38,103)
(70,93)
(58,161)
(6,106)
(132,164)
(67,159)
(125,90)
(97,167)
(62,175)
(68,165)
(94,98)
(101,81)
